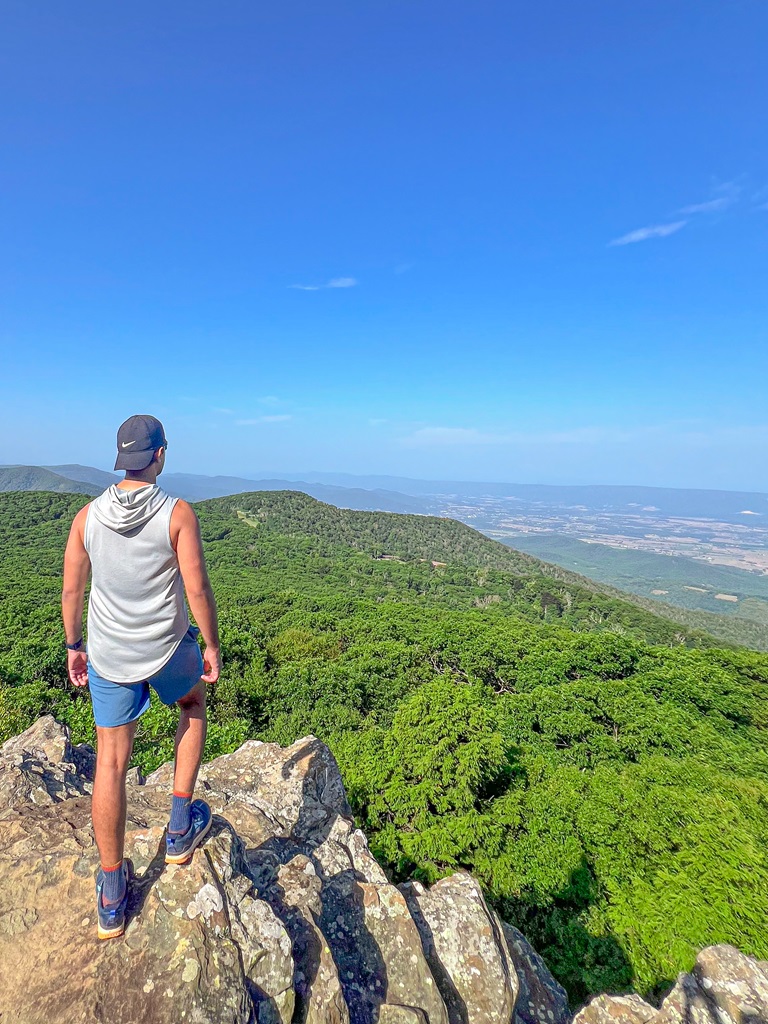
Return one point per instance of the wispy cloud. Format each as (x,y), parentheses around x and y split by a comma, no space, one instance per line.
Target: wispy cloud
(710,206)
(403,268)
(335,282)
(652,231)
(264,419)
(268,400)
(429,436)
(691,434)
(223,412)
(723,195)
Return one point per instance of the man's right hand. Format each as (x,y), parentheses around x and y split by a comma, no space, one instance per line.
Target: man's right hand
(77,668)
(211,665)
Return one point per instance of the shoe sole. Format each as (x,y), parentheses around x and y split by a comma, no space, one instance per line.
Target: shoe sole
(185,858)
(111,933)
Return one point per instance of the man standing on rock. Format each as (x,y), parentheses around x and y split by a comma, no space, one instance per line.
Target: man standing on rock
(143,550)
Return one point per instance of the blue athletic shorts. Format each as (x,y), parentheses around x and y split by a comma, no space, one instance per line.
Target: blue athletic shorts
(121,703)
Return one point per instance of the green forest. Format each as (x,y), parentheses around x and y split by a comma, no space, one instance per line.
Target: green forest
(602,771)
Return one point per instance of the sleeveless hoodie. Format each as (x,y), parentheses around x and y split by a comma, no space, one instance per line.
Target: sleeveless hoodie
(137,615)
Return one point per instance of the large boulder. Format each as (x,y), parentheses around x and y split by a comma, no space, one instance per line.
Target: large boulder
(735,984)
(540,997)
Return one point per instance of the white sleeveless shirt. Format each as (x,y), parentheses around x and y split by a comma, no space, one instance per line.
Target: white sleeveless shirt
(137,615)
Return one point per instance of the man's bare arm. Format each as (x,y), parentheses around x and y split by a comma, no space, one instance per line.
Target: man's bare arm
(186,539)
(77,565)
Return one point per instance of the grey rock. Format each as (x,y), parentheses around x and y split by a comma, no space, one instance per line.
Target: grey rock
(736,984)
(393,1013)
(687,1004)
(615,1010)
(725,987)
(541,999)
(465,950)
(377,949)
(41,766)
(297,898)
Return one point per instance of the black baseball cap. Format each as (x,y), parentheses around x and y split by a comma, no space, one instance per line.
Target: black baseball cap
(137,441)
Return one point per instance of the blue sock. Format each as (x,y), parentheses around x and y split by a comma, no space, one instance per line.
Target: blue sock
(113,889)
(180,813)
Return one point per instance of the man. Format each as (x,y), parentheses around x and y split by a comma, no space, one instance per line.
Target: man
(143,550)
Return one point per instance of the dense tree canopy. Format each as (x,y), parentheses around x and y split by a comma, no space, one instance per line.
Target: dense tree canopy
(603,772)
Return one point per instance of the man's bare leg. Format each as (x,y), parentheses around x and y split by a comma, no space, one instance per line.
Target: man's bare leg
(113,752)
(190,741)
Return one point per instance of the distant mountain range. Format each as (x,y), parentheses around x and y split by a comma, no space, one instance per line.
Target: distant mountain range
(194,487)
(404,494)
(667,500)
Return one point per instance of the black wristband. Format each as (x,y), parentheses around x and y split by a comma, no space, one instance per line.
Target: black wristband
(76,646)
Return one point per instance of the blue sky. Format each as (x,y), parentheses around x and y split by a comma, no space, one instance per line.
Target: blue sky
(474,240)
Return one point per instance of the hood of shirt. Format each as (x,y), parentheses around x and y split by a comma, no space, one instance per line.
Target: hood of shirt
(122,510)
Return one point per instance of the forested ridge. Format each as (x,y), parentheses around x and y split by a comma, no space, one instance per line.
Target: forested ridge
(601,770)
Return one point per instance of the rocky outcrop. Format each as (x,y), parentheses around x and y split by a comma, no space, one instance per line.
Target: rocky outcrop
(725,987)
(282,916)
(42,767)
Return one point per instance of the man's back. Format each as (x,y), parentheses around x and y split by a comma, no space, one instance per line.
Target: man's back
(136,612)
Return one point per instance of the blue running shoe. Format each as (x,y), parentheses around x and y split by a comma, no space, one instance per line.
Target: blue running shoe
(179,848)
(111,919)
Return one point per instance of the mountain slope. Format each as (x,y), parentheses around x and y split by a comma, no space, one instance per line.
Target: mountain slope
(446,540)
(412,538)
(466,558)
(38,478)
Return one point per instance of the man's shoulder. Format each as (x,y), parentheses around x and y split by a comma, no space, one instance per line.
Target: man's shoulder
(184,508)
(82,515)
(183,515)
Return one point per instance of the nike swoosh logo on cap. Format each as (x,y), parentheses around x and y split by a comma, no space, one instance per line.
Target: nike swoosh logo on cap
(127,444)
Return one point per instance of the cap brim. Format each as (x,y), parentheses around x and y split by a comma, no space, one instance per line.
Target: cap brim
(134,460)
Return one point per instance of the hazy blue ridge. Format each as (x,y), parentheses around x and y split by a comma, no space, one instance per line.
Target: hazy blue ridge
(670,501)
(193,487)
(86,475)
